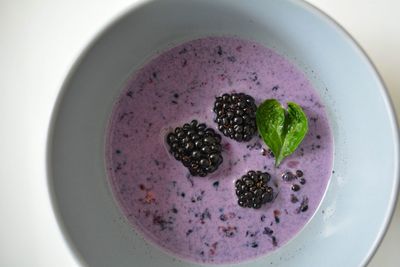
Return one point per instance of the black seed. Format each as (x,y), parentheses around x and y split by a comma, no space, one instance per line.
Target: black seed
(288,176)
(222,217)
(295,187)
(302,181)
(274,241)
(303,205)
(254,245)
(219,50)
(216,184)
(293,198)
(267,231)
(299,173)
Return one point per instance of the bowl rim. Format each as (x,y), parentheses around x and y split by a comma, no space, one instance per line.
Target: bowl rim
(392,117)
(312,9)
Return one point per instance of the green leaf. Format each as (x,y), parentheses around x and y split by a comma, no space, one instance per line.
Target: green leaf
(281,130)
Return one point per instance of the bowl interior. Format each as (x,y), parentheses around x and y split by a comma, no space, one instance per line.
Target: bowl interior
(359,200)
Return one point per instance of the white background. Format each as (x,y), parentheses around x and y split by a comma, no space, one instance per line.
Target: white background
(40,39)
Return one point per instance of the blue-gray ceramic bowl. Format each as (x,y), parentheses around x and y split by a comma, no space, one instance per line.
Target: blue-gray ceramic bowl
(360,198)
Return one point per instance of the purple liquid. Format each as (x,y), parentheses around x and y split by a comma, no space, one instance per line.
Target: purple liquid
(195,218)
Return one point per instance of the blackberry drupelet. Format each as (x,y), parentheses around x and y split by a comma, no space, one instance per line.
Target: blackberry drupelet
(236,116)
(253,191)
(197,147)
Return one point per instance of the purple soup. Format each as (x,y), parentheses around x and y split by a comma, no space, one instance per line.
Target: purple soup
(198,218)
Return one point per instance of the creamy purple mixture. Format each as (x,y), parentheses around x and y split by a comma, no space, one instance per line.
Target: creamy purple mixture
(197,218)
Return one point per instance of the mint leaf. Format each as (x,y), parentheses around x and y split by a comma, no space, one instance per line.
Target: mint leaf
(270,119)
(281,130)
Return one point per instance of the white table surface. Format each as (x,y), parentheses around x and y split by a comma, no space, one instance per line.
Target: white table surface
(40,39)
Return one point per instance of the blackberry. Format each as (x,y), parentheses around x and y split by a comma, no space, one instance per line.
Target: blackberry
(252,189)
(197,147)
(236,116)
